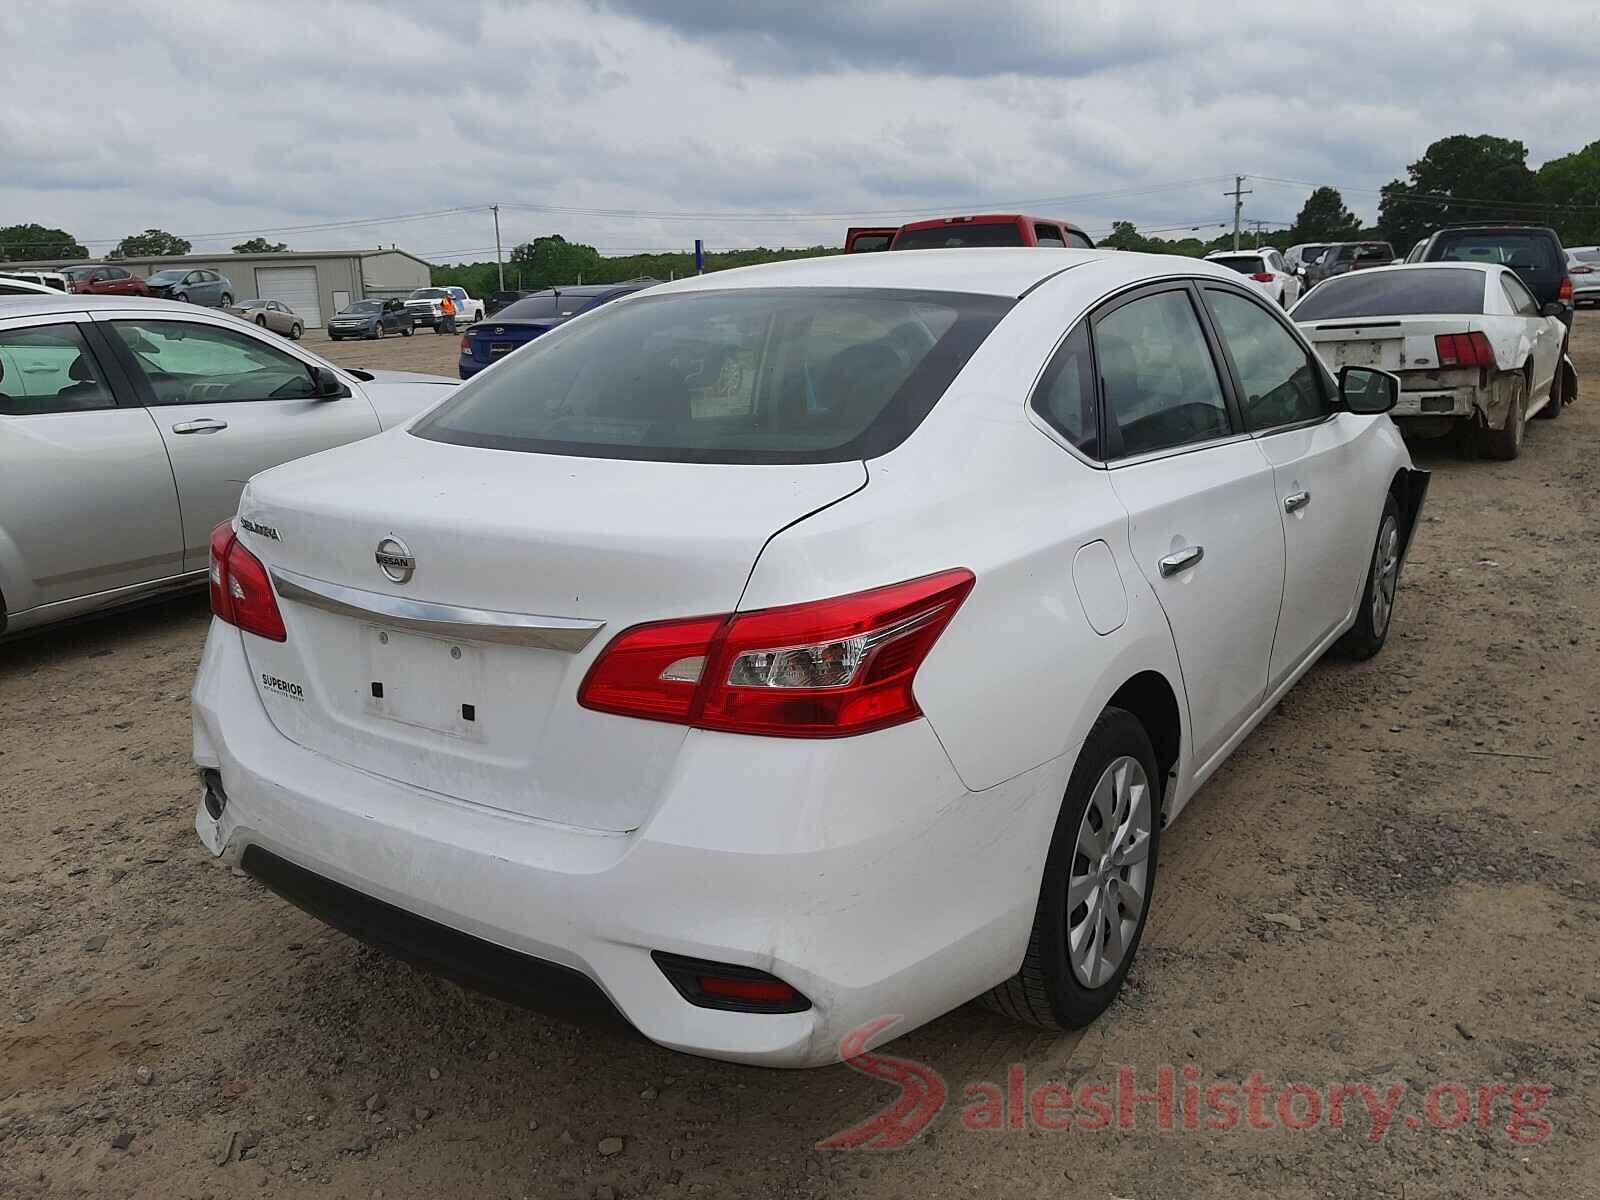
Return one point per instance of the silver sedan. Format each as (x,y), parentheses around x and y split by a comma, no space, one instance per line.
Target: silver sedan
(127,428)
(269,314)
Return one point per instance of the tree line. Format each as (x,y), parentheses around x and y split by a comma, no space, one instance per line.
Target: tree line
(1462,179)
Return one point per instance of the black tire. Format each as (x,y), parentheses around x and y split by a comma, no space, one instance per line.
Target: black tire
(1373,622)
(407,330)
(1505,445)
(1046,991)
(295,331)
(334,337)
(261,321)
(182,297)
(226,299)
(1558,389)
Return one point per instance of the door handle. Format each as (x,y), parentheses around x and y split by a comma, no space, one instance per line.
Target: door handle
(1187,557)
(1296,502)
(204,425)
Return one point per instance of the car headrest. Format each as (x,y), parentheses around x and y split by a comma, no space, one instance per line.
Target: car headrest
(79,371)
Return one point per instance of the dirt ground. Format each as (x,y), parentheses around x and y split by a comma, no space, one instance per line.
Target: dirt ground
(1395,882)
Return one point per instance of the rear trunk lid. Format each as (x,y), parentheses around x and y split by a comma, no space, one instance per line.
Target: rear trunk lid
(1397,344)
(577,548)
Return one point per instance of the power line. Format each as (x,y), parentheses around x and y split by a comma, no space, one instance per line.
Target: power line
(1441,199)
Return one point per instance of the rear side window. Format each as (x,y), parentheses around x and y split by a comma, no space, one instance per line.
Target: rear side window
(48,369)
(1065,396)
(1394,294)
(780,375)
(1158,377)
(1078,241)
(1048,235)
(1280,385)
(1518,296)
(1002,233)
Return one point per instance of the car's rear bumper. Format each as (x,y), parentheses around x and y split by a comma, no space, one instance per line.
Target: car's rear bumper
(467,366)
(860,871)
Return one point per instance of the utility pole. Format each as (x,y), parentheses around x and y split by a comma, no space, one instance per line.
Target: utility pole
(498,265)
(1239,193)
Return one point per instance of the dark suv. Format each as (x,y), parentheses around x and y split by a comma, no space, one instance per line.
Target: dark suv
(1533,252)
(1342,257)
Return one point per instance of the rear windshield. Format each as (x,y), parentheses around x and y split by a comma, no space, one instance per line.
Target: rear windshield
(544,305)
(1528,251)
(1394,294)
(867,242)
(1588,256)
(942,237)
(782,375)
(1245,264)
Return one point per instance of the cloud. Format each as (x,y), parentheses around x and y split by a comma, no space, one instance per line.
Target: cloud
(777,123)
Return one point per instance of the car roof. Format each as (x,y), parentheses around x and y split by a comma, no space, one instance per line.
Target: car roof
(1241,250)
(1502,228)
(998,271)
(26,306)
(983,219)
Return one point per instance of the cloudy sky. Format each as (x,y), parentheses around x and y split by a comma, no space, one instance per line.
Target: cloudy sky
(637,124)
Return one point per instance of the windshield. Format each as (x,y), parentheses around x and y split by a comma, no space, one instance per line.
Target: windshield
(1245,264)
(546,304)
(363,306)
(1394,294)
(995,233)
(164,276)
(1529,251)
(782,375)
(427,293)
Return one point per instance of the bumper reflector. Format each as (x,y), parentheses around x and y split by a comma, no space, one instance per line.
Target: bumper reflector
(728,987)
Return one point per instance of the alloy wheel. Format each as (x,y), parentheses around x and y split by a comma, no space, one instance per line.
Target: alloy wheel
(1108,887)
(1385,574)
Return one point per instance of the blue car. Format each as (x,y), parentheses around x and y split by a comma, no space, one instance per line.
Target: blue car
(519,323)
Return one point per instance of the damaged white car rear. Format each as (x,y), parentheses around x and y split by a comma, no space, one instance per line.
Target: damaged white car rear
(1475,354)
(784,649)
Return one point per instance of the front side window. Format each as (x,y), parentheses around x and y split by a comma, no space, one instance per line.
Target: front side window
(1065,396)
(190,363)
(1158,377)
(1279,381)
(48,369)
(737,376)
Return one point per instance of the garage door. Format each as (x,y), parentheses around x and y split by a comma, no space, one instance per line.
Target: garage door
(294,286)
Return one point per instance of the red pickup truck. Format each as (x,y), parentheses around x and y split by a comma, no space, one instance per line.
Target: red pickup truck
(988,229)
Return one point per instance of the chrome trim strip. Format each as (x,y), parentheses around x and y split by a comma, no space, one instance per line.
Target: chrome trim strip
(439,620)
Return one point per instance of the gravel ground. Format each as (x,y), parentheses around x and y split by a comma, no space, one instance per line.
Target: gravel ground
(1396,882)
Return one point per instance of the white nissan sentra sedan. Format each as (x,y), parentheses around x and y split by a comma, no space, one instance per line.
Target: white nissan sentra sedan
(784,648)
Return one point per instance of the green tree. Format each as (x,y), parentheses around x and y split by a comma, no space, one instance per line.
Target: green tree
(551,260)
(1573,183)
(1461,179)
(1124,235)
(258,245)
(20,243)
(150,244)
(1324,218)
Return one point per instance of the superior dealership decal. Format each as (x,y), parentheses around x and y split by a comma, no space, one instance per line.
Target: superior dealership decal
(283,687)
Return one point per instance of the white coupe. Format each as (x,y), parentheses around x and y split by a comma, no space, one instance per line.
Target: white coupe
(769,651)
(1475,353)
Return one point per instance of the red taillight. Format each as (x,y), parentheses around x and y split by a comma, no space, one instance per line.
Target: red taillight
(241,594)
(829,668)
(1581,271)
(466,344)
(1262,277)
(1566,289)
(1464,350)
(751,991)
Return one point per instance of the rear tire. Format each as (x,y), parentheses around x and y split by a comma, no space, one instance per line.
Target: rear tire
(407,330)
(1117,776)
(1376,614)
(1505,444)
(1552,408)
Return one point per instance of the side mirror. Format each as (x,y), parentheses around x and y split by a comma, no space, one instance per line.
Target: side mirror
(326,385)
(1553,309)
(1368,392)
